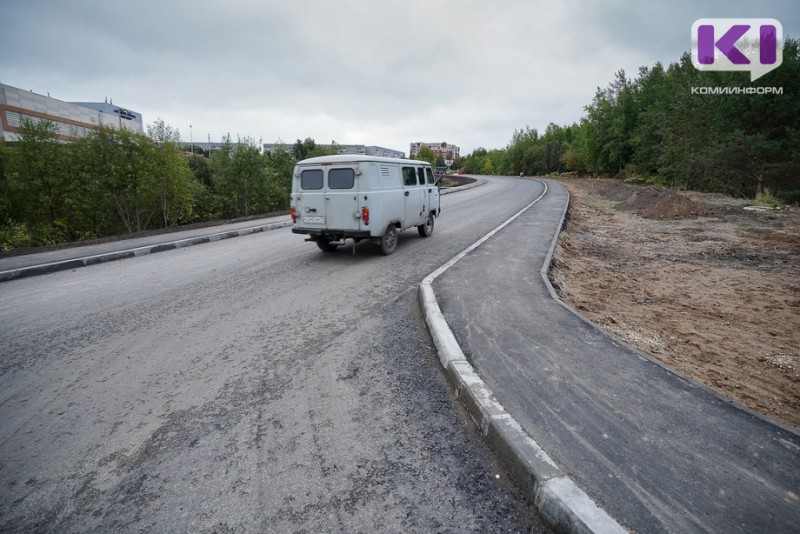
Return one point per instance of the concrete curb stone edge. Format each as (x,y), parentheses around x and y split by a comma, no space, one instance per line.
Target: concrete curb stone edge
(561,503)
(47,268)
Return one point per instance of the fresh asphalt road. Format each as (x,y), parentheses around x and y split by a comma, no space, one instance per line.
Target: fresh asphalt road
(251,384)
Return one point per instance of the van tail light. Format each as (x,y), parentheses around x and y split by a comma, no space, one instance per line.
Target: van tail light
(365,215)
(294,216)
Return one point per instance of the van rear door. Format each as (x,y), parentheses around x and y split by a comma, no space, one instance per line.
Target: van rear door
(328,199)
(311,200)
(341,199)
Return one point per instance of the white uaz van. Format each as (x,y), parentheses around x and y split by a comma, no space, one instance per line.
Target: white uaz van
(335,198)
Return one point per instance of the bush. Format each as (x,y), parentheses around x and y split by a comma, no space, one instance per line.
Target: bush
(789,196)
(633,173)
(766,198)
(14,235)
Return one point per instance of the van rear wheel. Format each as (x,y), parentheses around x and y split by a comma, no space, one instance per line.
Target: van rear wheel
(389,240)
(425,230)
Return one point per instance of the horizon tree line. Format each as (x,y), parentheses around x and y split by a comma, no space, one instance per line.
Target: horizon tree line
(654,128)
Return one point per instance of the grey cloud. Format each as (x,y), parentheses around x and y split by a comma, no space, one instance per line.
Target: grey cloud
(388,73)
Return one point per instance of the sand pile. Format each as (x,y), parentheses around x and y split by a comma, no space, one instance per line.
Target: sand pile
(652,202)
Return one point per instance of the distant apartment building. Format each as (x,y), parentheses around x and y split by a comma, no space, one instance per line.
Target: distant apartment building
(364,150)
(383,152)
(72,119)
(443,149)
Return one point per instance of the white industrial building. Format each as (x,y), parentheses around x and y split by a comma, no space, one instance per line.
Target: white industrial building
(72,119)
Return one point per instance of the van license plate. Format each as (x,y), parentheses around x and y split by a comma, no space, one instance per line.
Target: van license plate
(314,220)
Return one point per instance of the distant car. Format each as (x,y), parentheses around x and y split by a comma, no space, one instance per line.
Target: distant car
(335,198)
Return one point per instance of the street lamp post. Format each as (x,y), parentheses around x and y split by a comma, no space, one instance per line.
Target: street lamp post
(191,141)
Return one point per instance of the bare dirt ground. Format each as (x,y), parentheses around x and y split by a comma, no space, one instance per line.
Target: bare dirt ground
(693,279)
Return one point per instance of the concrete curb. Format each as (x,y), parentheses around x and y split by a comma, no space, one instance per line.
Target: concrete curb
(47,268)
(561,503)
(477,183)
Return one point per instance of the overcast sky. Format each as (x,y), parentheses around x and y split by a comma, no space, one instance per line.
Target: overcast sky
(384,73)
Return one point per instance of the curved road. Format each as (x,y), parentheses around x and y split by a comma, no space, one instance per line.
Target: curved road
(251,384)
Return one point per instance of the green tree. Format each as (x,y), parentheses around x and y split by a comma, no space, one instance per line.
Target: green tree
(131,181)
(40,184)
(473,163)
(304,149)
(92,215)
(280,167)
(174,186)
(241,177)
(496,159)
(426,154)
(554,144)
(100,170)
(522,154)
(201,170)
(612,118)
(658,127)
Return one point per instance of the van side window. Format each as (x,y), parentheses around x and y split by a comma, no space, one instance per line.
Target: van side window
(429,175)
(421,174)
(311,179)
(409,176)
(341,178)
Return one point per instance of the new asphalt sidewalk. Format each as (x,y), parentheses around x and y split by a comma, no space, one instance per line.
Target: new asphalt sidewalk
(654,450)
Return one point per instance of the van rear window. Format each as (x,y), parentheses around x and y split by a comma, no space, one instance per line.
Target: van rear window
(311,179)
(341,178)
